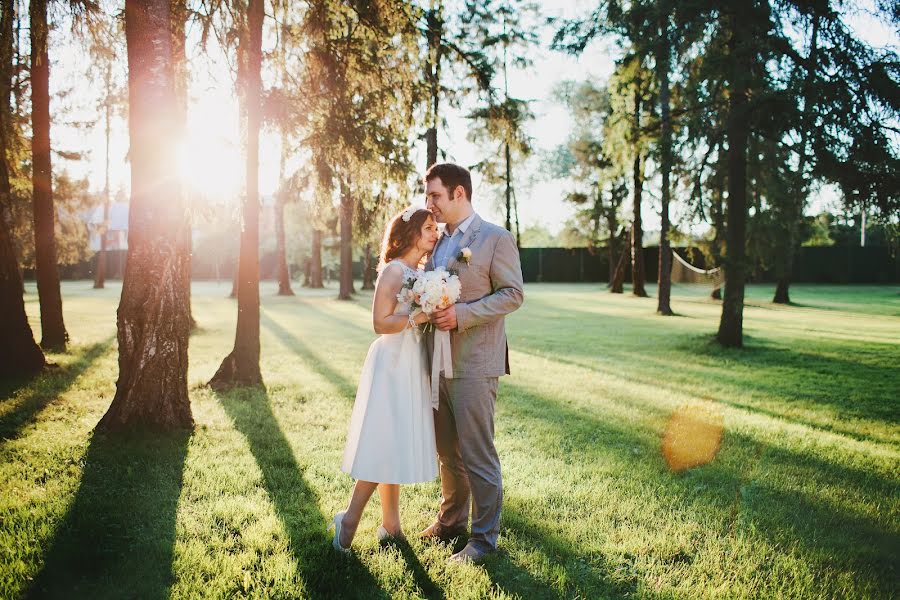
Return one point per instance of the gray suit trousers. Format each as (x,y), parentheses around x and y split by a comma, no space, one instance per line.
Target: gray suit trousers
(470,467)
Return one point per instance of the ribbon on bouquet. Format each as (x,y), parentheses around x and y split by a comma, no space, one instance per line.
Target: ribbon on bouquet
(440,361)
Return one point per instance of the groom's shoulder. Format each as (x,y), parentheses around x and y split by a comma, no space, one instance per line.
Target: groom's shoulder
(492,229)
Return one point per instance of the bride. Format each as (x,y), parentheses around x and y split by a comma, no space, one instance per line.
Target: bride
(391,435)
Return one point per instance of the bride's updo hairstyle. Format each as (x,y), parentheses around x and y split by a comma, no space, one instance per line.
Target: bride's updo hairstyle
(402,234)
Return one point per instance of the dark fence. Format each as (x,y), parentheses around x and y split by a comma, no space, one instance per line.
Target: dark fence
(819,264)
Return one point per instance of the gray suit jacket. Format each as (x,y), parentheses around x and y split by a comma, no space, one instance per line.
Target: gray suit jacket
(491,289)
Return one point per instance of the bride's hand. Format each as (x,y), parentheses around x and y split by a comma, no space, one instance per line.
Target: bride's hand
(421,318)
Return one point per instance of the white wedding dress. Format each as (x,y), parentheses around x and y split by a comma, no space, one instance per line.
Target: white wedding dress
(391,435)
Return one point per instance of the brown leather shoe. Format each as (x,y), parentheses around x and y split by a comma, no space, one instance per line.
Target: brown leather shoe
(436,531)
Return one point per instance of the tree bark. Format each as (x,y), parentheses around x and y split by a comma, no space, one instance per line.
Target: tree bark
(315,261)
(731,326)
(617,285)
(19,354)
(718,218)
(241,366)
(434,35)
(508,188)
(663,305)
(154,315)
(637,232)
(346,278)
(100,274)
(179,17)
(53,328)
(284,276)
(368,270)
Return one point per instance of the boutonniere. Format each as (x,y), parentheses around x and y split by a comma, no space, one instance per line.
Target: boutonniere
(465,255)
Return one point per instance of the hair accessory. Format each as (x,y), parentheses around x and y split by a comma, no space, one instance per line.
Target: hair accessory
(407,214)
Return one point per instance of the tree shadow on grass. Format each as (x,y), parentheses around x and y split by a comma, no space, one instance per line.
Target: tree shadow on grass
(425,584)
(44,389)
(324,573)
(577,577)
(118,536)
(315,361)
(764,501)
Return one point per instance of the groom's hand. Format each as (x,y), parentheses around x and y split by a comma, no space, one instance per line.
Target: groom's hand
(445,320)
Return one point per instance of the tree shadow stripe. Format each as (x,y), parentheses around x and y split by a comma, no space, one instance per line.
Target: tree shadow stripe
(324,574)
(47,388)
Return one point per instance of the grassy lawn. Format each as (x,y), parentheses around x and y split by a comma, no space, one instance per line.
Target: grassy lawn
(802,499)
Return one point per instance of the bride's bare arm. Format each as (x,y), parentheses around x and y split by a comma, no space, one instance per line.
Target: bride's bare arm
(385,303)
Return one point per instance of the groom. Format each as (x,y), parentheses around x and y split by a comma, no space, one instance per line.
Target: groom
(486,259)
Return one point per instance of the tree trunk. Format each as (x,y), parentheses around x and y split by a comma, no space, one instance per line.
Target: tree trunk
(663,305)
(19,354)
(179,16)
(315,261)
(100,274)
(731,332)
(637,232)
(241,367)
(368,270)
(784,262)
(508,189)
(154,315)
(617,285)
(284,276)
(434,35)
(46,271)
(795,201)
(346,278)
(718,216)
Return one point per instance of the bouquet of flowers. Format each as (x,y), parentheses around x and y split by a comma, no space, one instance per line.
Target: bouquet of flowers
(429,291)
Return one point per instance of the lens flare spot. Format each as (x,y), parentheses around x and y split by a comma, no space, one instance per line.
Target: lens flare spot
(692,438)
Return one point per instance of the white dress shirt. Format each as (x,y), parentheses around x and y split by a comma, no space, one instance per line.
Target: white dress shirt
(448,246)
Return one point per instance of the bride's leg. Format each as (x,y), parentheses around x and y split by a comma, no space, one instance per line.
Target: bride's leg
(390,507)
(362,491)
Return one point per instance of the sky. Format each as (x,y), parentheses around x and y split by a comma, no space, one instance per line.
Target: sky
(213,159)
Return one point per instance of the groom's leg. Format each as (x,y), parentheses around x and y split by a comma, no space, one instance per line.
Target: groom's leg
(473,402)
(454,512)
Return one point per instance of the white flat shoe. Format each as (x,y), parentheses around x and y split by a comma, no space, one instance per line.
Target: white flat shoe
(336,541)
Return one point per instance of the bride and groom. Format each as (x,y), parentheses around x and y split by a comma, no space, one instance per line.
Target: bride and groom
(395,436)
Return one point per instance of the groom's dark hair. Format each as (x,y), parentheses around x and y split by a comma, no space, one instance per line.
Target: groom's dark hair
(451,175)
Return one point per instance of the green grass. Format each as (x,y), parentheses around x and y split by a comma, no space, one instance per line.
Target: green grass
(802,499)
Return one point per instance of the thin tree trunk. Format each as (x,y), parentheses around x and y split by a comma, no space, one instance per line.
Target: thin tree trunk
(100,275)
(315,261)
(241,366)
(368,270)
(179,16)
(782,289)
(19,354)
(663,306)
(718,216)
(46,271)
(731,330)
(153,316)
(618,280)
(346,277)
(433,34)
(284,277)
(508,194)
(637,232)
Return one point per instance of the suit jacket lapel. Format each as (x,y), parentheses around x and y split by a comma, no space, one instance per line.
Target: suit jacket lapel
(466,240)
